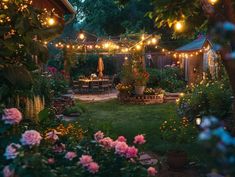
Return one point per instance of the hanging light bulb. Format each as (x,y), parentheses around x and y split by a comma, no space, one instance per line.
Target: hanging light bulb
(179,25)
(143,37)
(213,2)
(138,47)
(51,21)
(154,40)
(81,36)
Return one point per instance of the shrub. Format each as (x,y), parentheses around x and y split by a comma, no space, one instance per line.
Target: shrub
(205,99)
(170,79)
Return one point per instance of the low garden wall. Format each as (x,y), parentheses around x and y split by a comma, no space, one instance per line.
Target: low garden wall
(148,99)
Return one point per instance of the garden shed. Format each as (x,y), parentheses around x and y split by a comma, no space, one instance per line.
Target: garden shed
(197,58)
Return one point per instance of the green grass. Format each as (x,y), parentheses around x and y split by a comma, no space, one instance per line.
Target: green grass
(116,119)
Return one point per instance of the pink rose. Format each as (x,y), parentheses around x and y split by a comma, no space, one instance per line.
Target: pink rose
(98,136)
(51,161)
(131,152)
(85,160)
(7,172)
(11,151)
(93,167)
(59,148)
(139,139)
(121,148)
(12,116)
(152,171)
(70,155)
(121,139)
(106,143)
(31,138)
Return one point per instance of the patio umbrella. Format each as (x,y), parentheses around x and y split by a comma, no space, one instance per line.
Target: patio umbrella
(100,67)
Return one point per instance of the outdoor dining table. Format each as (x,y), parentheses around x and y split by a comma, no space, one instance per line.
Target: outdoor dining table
(91,84)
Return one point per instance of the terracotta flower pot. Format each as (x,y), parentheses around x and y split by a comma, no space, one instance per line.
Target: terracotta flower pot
(177,159)
(139,90)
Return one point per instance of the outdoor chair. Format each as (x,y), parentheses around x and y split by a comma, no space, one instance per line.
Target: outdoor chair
(105,85)
(84,87)
(95,86)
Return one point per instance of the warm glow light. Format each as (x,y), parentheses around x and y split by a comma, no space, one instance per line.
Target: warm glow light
(126,58)
(154,41)
(198,121)
(81,36)
(143,37)
(138,47)
(106,45)
(68,46)
(179,25)
(213,2)
(51,21)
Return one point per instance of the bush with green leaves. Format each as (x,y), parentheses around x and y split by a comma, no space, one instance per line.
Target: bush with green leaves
(205,99)
(170,79)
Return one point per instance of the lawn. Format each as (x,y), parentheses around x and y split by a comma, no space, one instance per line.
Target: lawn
(115,119)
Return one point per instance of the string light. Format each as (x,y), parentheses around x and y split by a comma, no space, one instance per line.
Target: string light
(213,2)
(138,47)
(51,21)
(154,40)
(179,25)
(82,36)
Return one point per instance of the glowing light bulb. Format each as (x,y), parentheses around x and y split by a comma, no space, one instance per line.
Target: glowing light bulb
(51,21)
(154,41)
(143,37)
(198,121)
(179,25)
(213,2)
(138,47)
(81,36)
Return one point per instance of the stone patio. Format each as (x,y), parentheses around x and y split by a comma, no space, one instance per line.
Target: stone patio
(96,97)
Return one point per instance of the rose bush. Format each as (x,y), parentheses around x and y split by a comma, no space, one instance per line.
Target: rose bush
(61,151)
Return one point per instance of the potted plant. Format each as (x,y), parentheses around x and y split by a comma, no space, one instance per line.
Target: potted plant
(177,132)
(141,78)
(124,89)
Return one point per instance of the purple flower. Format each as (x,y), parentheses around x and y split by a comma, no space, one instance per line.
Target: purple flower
(11,151)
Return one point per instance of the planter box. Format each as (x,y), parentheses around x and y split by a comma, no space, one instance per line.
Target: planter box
(141,99)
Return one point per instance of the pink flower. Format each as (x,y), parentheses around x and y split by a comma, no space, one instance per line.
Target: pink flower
(52,135)
(11,151)
(106,143)
(85,160)
(93,167)
(139,139)
(131,152)
(98,136)
(70,155)
(7,172)
(121,148)
(31,138)
(152,171)
(12,116)
(121,139)
(59,148)
(51,161)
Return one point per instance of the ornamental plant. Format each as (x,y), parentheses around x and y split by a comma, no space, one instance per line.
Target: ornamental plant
(60,151)
(124,88)
(178,131)
(141,78)
(206,98)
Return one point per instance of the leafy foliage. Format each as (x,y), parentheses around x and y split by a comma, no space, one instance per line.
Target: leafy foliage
(205,99)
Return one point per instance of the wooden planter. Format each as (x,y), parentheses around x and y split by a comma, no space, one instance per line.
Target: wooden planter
(141,99)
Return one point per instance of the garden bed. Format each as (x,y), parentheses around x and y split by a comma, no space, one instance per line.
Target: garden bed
(148,99)
(141,99)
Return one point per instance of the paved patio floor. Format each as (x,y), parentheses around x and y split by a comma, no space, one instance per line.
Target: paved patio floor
(96,97)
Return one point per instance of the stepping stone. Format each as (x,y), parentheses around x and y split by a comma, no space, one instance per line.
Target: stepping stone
(146,159)
(214,175)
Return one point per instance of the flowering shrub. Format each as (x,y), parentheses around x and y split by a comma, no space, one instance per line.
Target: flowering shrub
(58,151)
(178,131)
(151,91)
(12,116)
(141,78)
(204,99)
(124,88)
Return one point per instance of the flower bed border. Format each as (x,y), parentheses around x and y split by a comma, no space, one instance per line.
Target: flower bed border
(141,99)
